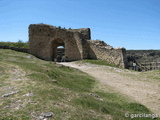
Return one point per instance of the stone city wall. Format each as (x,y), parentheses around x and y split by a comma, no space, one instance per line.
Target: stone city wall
(44,40)
(26,50)
(100,50)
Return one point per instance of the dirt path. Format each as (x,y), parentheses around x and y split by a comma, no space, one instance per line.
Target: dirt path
(140,89)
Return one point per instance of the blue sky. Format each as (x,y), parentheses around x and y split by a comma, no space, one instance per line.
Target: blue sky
(133,24)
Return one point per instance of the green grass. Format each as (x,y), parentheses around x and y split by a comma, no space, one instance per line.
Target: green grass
(68,98)
(151,75)
(15,44)
(113,104)
(99,62)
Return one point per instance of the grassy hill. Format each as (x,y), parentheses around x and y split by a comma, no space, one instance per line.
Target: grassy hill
(31,88)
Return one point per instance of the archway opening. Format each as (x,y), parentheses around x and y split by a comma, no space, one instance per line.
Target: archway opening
(60,53)
(58,47)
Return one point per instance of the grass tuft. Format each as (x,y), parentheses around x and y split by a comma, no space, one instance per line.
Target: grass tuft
(99,62)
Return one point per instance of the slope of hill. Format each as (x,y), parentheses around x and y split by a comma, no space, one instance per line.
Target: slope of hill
(31,88)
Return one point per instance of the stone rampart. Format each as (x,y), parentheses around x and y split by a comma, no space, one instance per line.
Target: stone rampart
(15,48)
(100,50)
(45,39)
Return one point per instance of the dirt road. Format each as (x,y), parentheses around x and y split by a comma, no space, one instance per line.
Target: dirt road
(132,84)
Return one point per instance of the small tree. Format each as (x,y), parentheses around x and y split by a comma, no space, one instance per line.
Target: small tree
(20,41)
(59,27)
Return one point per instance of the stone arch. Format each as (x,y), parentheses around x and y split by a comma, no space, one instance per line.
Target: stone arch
(54,49)
(60,53)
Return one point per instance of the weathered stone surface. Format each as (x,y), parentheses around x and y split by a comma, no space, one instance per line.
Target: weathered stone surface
(19,106)
(100,50)
(96,96)
(54,81)
(11,93)
(10,88)
(42,116)
(44,40)
(29,94)
(47,114)
(7,106)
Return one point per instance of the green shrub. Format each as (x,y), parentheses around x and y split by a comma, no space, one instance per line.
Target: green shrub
(15,44)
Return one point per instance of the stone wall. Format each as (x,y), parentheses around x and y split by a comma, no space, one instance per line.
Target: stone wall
(100,50)
(15,48)
(44,40)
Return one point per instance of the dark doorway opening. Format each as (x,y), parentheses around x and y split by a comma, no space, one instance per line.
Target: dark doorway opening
(58,47)
(60,53)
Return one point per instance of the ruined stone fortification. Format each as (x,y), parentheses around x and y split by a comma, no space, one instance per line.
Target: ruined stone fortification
(44,40)
(25,50)
(100,50)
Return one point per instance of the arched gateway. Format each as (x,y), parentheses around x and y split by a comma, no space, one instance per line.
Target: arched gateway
(44,42)
(57,49)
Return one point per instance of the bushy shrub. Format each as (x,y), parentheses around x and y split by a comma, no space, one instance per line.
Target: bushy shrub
(18,44)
